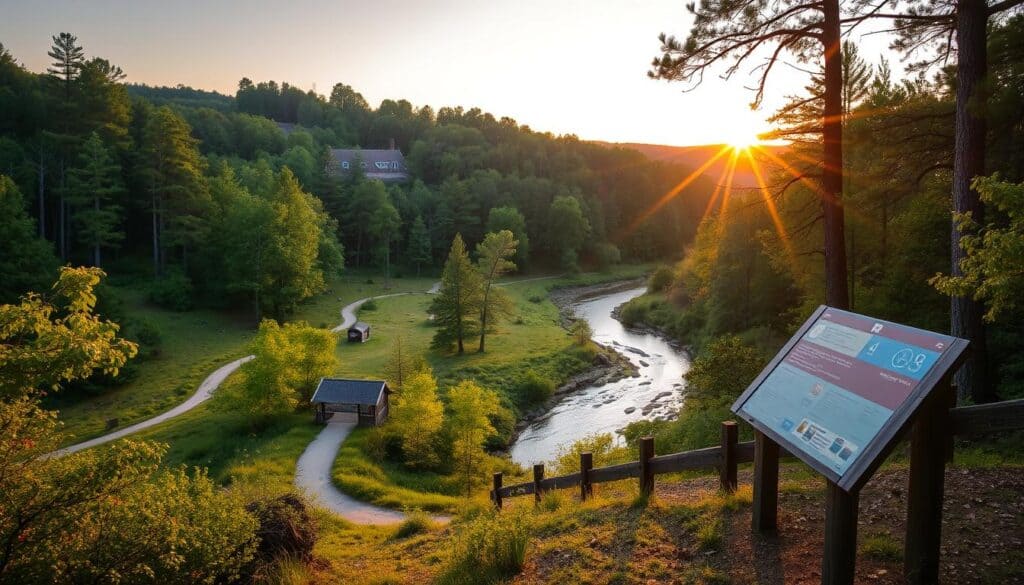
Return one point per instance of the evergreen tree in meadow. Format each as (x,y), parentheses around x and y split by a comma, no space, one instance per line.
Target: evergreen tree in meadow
(418,250)
(92,187)
(493,261)
(419,416)
(403,363)
(455,306)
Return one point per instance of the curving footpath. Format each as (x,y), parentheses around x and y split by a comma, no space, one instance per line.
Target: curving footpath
(313,469)
(203,394)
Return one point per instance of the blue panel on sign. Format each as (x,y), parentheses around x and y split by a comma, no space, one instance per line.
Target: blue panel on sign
(897,356)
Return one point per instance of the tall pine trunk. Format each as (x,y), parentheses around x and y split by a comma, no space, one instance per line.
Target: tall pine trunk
(836,292)
(968,163)
(96,240)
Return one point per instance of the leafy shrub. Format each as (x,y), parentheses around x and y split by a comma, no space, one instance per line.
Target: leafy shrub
(416,522)
(601,446)
(487,550)
(536,299)
(581,332)
(607,255)
(660,280)
(286,528)
(370,305)
(722,371)
(552,500)
(535,388)
(149,336)
(172,291)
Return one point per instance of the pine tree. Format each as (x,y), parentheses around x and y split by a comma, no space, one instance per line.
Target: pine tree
(172,169)
(418,250)
(469,410)
(92,186)
(403,363)
(418,416)
(454,307)
(68,57)
(493,260)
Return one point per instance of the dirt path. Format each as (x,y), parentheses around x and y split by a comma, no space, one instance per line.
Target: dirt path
(313,477)
(201,395)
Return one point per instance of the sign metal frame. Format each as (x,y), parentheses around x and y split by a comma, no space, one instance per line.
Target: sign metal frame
(873,454)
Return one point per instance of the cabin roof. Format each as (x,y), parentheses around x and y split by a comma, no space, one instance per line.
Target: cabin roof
(360,326)
(344,391)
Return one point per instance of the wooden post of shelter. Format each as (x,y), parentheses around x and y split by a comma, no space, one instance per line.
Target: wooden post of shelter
(497,490)
(586,464)
(839,561)
(646,472)
(727,473)
(928,452)
(765,515)
(538,476)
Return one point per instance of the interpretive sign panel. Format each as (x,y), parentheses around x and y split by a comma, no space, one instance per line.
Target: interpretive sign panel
(842,389)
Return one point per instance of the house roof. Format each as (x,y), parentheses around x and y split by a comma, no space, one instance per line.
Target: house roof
(341,391)
(383,164)
(360,326)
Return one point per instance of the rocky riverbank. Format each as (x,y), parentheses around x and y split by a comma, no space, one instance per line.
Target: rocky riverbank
(608,366)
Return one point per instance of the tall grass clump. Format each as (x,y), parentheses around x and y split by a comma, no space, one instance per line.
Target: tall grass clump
(489,549)
(416,522)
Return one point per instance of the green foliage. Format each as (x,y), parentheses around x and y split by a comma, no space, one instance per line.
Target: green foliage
(48,341)
(661,279)
(110,514)
(568,228)
(418,251)
(487,550)
(607,254)
(173,290)
(454,307)
(601,446)
(28,262)
(509,218)
(403,363)
(581,332)
(722,372)
(493,261)
(92,185)
(417,417)
(468,423)
(534,388)
(993,252)
(286,528)
(288,363)
(881,546)
(416,522)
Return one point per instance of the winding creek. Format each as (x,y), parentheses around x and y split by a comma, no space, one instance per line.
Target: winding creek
(654,393)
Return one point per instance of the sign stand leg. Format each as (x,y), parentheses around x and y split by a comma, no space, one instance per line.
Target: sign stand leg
(925,494)
(840,559)
(766,484)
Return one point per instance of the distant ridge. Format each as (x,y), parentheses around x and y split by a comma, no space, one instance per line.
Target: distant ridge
(696,156)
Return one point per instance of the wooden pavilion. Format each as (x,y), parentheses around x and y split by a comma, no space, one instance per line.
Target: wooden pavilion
(366,399)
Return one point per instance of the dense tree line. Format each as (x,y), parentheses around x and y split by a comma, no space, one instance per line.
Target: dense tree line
(219,199)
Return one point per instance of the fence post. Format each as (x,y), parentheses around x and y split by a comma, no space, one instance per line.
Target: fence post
(497,490)
(586,464)
(727,473)
(765,513)
(538,475)
(928,450)
(646,474)
(839,561)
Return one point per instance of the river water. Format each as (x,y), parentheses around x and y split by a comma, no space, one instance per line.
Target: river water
(592,410)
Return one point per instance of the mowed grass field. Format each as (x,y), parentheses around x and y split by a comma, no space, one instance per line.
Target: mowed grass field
(194,344)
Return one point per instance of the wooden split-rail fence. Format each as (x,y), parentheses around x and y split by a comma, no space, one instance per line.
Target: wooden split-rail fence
(931,447)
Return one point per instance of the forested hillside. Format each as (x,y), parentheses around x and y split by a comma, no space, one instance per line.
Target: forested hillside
(756,267)
(208,198)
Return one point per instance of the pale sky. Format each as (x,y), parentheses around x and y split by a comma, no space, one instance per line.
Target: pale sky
(565,66)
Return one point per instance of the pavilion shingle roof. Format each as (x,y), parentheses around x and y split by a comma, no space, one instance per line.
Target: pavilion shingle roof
(340,391)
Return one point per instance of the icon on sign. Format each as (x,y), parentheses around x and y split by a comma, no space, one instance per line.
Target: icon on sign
(873,348)
(902,358)
(876,328)
(940,345)
(816,331)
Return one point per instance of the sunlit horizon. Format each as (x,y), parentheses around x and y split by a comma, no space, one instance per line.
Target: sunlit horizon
(566,68)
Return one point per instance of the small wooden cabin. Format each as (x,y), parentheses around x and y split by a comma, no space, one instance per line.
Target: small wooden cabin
(366,399)
(359,332)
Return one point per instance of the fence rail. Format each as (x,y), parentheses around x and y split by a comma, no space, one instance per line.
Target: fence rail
(966,421)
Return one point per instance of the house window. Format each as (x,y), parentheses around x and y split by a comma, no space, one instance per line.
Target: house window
(394,165)
(344,164)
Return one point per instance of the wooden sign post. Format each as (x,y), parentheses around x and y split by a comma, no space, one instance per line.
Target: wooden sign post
(841,393)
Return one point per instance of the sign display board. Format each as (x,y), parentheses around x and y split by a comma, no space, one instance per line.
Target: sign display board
(842,389)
